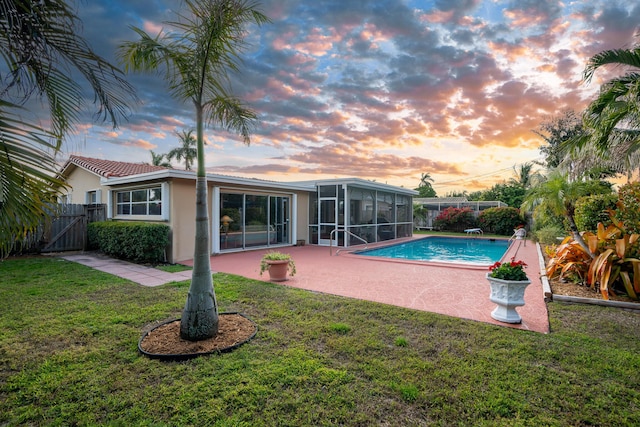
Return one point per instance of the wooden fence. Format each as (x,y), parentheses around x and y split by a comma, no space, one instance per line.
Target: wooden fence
(66,227)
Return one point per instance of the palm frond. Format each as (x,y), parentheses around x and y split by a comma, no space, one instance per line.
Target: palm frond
(628,57)
(27,176)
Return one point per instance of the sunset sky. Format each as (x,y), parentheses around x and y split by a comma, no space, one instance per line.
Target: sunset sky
(382,90)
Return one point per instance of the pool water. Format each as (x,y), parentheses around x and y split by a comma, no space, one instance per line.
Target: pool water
(476,251)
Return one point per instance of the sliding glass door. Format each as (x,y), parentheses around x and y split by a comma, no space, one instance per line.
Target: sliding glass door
(254,220)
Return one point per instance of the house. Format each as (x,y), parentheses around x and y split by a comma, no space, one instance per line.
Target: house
(244,213)
(434,205)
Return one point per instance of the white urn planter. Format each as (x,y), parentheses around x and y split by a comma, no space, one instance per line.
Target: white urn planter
(508,294)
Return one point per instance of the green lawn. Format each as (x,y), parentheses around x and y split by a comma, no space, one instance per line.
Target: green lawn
(68,356)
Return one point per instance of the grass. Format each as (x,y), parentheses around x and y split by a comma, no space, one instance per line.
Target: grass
(173,268)
(68,356)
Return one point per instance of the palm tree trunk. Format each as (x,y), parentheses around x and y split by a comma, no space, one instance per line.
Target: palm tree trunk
(576,234)
(200,315)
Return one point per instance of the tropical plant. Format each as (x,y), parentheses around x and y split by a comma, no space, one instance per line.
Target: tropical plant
(196,60)
(40,47)
(187,150)
(618,261)
(512,270)
(570,261)
(277,256)
(614,268)
(558,195)
(613,118)
(159,160)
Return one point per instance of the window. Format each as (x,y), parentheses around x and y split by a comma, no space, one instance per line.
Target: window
(145,201)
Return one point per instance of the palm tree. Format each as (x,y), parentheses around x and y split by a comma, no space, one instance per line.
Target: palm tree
(159,160)
(558,195)
(425,188)
(425,179)
(525,176)
(613,118)
(39,47)
(196,60)
(186,151)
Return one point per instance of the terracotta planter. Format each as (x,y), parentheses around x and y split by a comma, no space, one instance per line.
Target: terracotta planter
(278,269)
(508,294)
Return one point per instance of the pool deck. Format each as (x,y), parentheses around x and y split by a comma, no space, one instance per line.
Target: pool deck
(453,291)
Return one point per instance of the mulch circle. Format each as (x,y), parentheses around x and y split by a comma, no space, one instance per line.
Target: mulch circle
(164,342)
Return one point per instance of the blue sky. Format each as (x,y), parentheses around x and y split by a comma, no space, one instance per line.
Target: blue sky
(382,90)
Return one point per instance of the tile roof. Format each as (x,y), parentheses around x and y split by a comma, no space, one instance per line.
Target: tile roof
(111,168)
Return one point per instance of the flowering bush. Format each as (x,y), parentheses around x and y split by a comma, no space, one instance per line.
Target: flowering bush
(513,270)
(455,219)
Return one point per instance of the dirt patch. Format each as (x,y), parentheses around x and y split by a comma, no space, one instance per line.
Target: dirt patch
(574,290)
(233,330)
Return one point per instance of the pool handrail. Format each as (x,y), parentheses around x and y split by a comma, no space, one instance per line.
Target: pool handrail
(349,233)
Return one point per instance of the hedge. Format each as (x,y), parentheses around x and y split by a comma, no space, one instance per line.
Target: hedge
(591,210)
(135,241)
(500,220)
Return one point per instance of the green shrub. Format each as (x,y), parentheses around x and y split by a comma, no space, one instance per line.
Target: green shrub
(549,235)
(591,210)
(502,220)
(455,219)
(134,241)
(629,207)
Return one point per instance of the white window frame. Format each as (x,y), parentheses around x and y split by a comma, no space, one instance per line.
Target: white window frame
(164,202)
(87,197)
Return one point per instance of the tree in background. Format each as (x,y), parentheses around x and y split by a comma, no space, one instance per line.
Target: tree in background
(425,188)
(556,132)
(526,176)
(196,60)
(187,150)
(159,160)
(511,194)
(578,161)
(43,57)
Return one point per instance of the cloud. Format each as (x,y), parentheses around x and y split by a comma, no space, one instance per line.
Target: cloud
(373,89)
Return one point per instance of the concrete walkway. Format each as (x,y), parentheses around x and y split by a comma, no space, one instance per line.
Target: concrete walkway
(145,276)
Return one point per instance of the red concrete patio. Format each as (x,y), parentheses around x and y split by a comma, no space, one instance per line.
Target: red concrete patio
(450,290)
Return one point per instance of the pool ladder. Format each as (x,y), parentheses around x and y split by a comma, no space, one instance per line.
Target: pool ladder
(345,231)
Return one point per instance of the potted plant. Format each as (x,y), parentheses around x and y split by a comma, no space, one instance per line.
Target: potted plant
(508,282)
(278,264)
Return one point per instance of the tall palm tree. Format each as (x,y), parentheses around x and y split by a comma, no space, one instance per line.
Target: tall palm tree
(425,179)
(159,160)
(196,59)
(39,47)
(425,188)
(613,118)
(187,150)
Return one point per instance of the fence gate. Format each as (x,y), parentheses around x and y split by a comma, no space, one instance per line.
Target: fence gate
(66,228)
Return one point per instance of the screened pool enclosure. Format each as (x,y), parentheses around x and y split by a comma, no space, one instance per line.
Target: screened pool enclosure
(354,213)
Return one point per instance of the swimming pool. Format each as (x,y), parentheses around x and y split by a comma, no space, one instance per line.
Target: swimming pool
(475,251)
